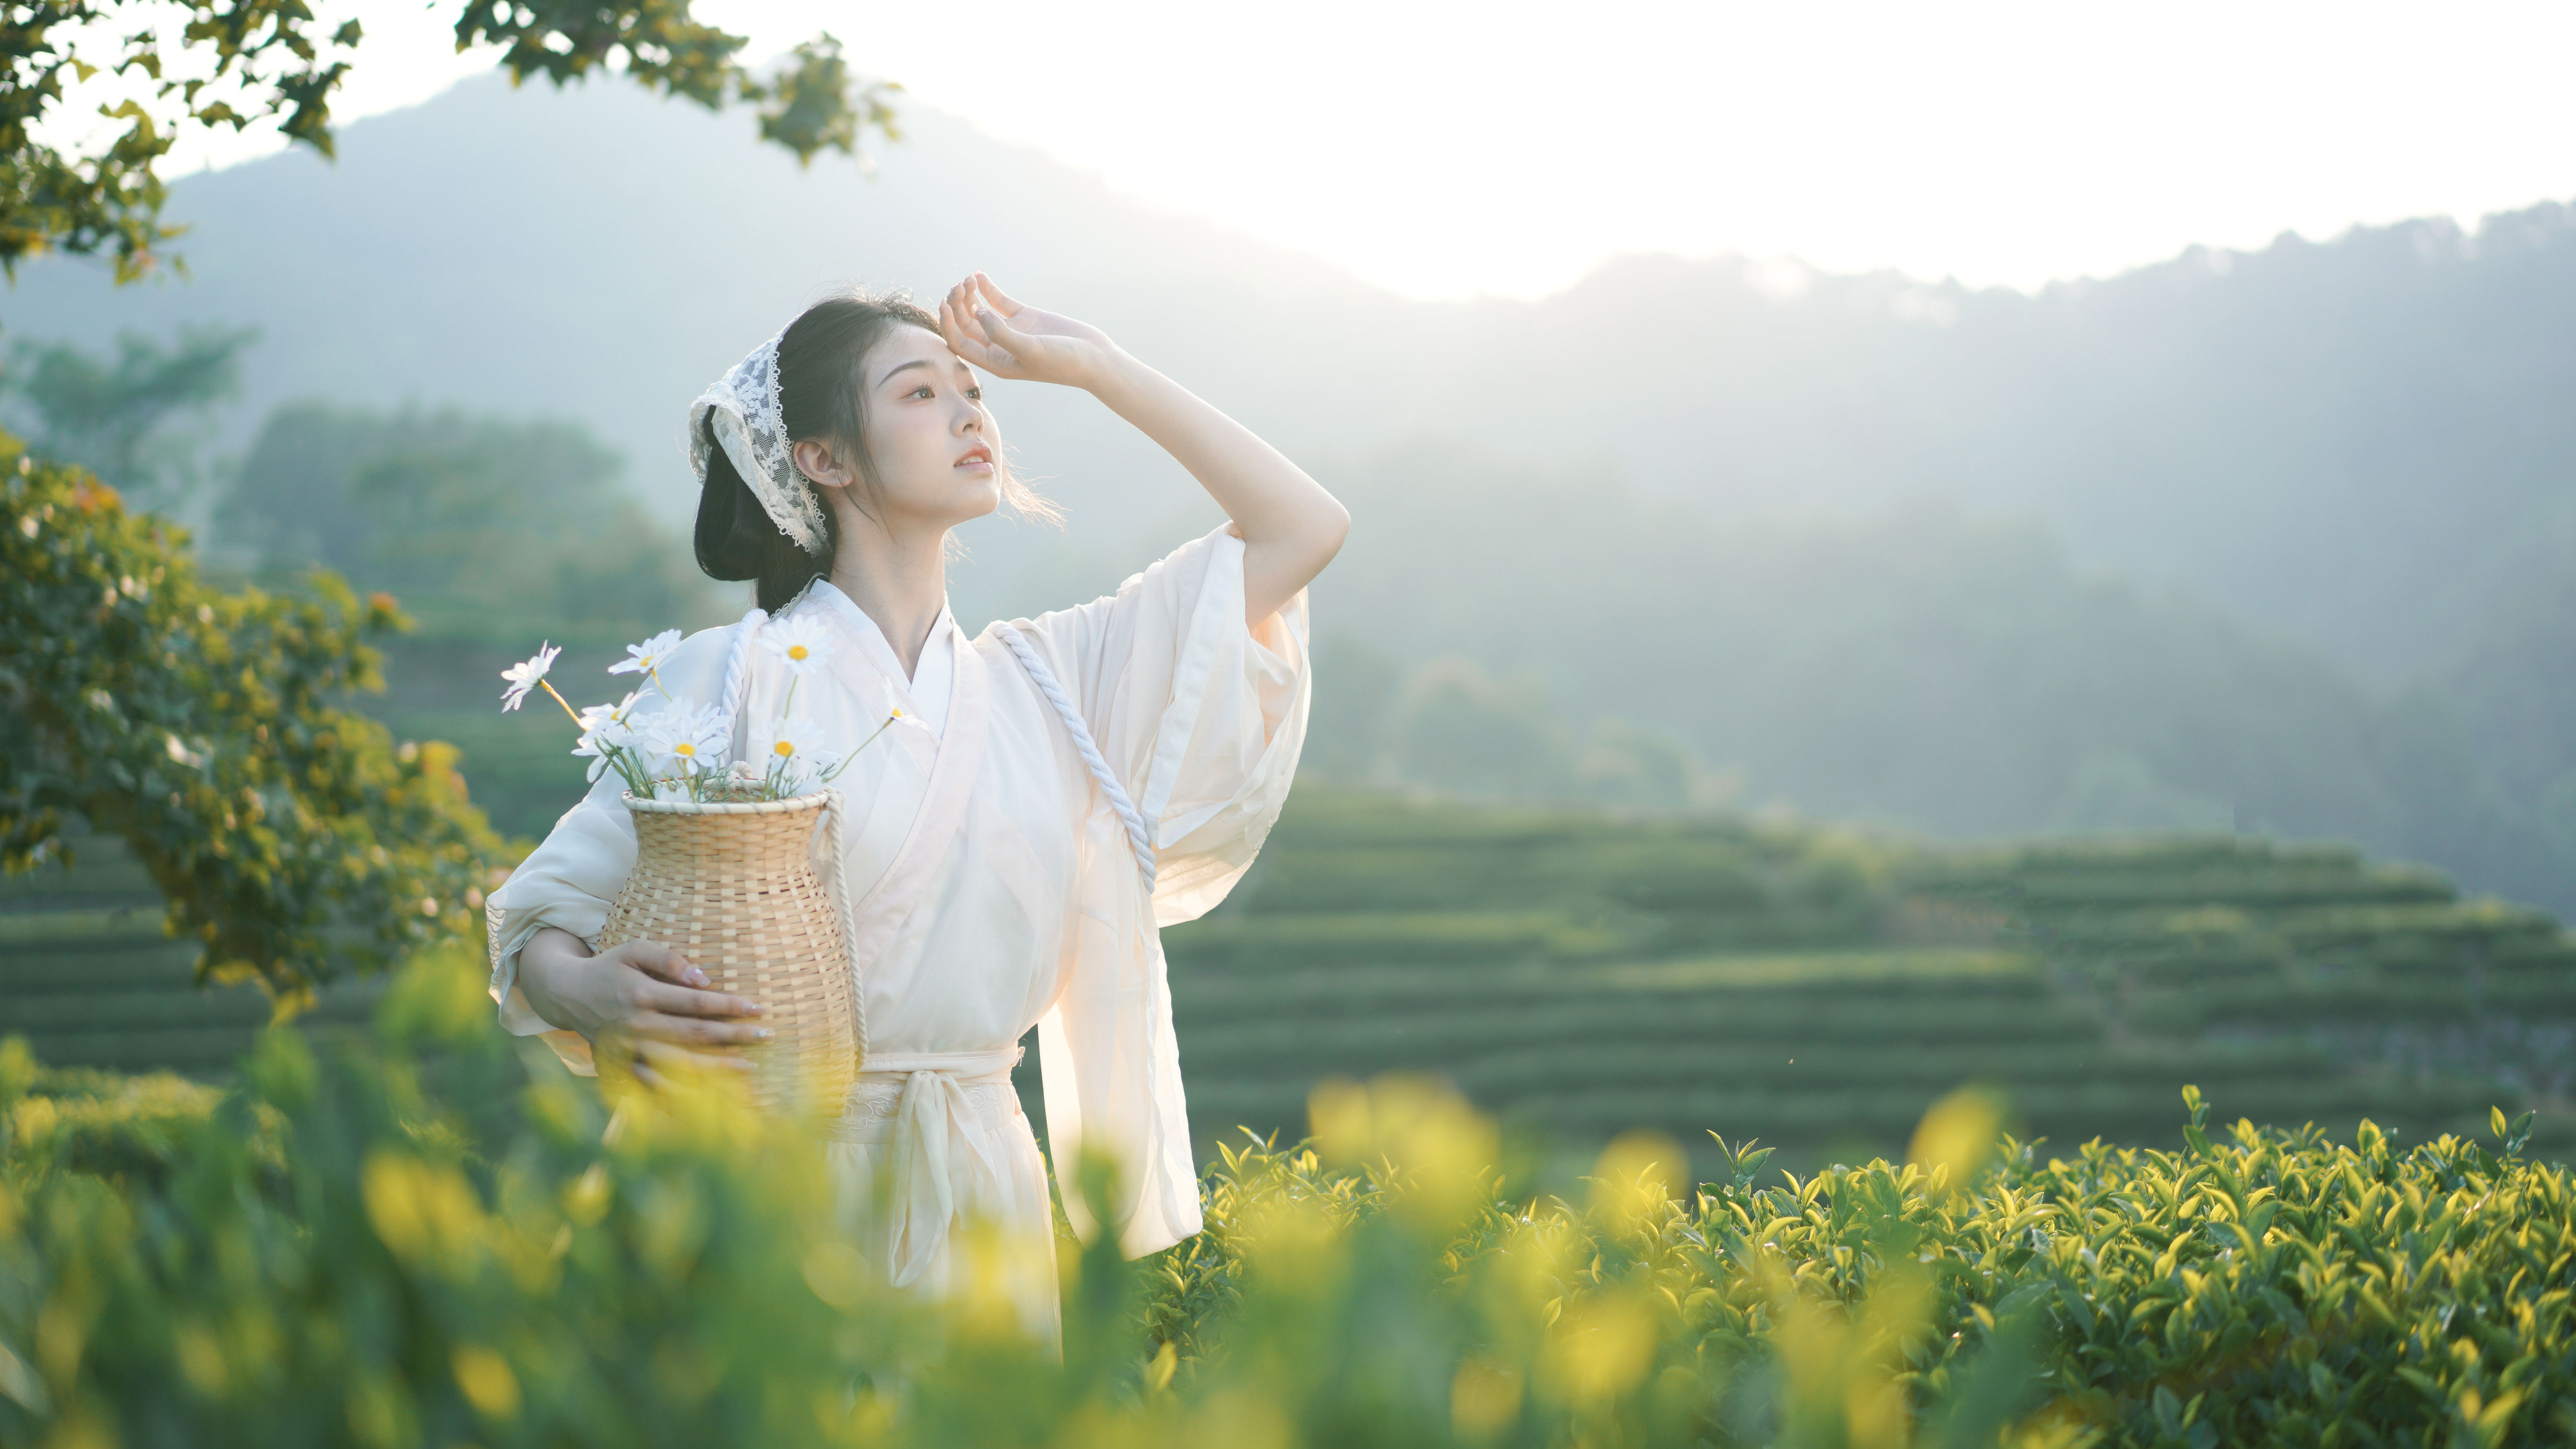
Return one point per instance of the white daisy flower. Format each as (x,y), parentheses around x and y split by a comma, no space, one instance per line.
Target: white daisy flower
(526,676)
(604,729)
(802,640)
(687,739)
(796,757)
(600,717)
(646,657)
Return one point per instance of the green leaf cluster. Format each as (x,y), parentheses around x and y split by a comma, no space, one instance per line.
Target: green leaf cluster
(292,837)
(251,61)
(258,60)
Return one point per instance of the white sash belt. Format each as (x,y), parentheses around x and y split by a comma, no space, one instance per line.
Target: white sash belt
(939,1111)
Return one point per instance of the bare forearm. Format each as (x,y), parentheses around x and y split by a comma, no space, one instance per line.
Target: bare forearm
(542,960)
(1291,527)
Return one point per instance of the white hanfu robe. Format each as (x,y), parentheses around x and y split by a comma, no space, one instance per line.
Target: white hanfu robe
(993,888)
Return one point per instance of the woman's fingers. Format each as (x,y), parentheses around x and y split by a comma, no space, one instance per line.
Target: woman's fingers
(696,1030)
(984,340)
(1001,303)
(1023,355)
(690,1001)
(661,962)
(982,306)
(1002,334)
(963,324)
(964,337)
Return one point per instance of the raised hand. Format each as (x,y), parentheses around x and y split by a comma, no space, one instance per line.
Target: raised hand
(1011,339)
(1289,525)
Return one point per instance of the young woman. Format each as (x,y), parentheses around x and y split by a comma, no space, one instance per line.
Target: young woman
(1002,875)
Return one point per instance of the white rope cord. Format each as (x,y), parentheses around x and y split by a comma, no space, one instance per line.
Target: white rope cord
(1137,835)
(737,680)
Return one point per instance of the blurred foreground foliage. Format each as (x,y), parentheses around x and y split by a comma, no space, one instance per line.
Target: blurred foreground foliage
(402,1240)
(293,837)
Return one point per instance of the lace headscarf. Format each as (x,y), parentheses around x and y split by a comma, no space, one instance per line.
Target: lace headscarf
(751,425)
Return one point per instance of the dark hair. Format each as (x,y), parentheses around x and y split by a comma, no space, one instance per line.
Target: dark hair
(820,358)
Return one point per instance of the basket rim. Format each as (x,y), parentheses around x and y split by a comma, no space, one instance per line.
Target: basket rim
(726,807)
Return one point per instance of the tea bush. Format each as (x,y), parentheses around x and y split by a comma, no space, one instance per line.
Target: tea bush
(1586,971)
(405,1240)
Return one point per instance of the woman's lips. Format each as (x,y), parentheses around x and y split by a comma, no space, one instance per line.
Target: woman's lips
(974,458)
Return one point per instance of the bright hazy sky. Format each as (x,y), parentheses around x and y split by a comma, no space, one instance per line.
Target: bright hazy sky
(1448,150)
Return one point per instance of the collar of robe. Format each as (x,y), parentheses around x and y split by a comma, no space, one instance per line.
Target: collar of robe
(875,918)
(928,695)
(935,1113)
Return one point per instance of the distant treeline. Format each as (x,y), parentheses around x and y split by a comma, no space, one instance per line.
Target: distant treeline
(1515,632)
(490,530)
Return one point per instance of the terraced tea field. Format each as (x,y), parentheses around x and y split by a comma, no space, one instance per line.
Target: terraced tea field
(1584,974)
(89,979)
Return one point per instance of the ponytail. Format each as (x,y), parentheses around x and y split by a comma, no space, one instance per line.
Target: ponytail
(736,540)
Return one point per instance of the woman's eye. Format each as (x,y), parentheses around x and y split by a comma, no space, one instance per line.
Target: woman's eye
(922,391)
(975,393)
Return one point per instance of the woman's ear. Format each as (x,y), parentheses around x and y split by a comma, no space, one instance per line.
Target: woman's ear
(821,466)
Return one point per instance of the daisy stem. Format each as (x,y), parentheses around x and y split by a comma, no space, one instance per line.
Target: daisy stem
(863,744)
(637,779)
(559,699)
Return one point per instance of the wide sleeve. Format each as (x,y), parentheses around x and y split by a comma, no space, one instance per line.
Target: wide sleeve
(1201,717)
(570,880)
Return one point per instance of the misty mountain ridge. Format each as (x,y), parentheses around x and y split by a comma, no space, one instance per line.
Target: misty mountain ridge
(2358,444)
(2373,422)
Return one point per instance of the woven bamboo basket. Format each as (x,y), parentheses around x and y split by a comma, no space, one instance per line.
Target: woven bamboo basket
(732,887)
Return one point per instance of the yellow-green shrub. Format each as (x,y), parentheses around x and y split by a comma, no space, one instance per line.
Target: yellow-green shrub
(408,1242)
(292,837)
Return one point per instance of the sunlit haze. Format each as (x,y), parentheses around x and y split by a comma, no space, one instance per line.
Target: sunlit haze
(1507,148)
